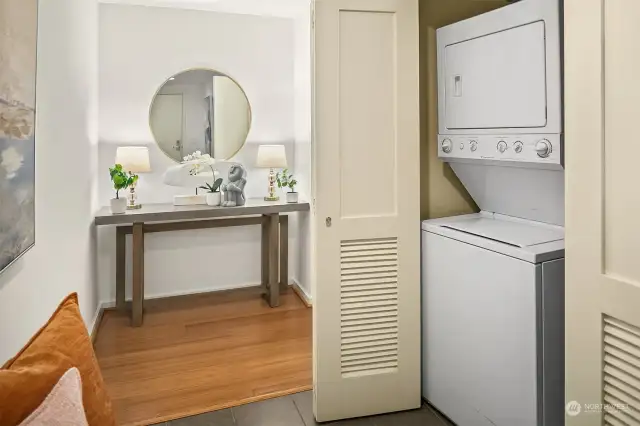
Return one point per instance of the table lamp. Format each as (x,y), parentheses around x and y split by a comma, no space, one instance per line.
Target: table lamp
(272,157)
(134,159)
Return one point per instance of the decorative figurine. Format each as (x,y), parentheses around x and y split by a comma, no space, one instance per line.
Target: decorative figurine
(234,189)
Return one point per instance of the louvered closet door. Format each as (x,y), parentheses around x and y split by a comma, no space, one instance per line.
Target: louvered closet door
(366,162)
(602,101)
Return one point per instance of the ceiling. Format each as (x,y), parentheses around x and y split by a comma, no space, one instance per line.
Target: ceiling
(279,8)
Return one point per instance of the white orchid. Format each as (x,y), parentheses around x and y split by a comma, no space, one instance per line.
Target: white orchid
(199,161)
(199,157)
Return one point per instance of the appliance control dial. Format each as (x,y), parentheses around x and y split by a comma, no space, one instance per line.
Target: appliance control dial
(474,145)
(502,146)
(447,145)
(543,148)
(517,147)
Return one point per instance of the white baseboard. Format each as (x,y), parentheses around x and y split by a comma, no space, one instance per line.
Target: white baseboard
(302,292)
(95,322)
(108,305)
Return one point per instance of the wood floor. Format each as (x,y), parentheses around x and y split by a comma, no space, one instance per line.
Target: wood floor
(204,352)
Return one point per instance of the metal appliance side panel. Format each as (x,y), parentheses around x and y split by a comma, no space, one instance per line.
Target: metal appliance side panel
(553,342)
(479,334)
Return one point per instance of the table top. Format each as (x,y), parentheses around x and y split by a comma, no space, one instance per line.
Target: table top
(160,212)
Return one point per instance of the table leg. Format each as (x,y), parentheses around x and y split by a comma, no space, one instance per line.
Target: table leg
(264,265)
(121,253)
(274,286)
(284,253)
(138,275)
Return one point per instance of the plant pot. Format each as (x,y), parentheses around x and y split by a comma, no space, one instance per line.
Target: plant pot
(213,198)
(292,197)
(118,205)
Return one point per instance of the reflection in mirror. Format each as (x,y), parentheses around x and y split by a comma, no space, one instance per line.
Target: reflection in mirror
(200,110)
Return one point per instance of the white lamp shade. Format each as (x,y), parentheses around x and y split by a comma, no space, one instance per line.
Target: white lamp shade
(133,159)
(271,157)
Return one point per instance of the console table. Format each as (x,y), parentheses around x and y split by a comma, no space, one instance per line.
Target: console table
(167,217)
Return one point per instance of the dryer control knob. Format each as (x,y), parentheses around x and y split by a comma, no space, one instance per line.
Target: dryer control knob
(447,146)
(543,148)
(474,145)
(517,147)
(502,146)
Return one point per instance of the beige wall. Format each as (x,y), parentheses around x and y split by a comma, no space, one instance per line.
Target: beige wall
(442,194)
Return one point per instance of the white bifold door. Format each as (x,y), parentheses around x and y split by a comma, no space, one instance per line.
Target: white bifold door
(366,208)
(602,97)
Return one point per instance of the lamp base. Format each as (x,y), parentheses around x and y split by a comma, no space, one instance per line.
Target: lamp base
(274,198)
(134,206)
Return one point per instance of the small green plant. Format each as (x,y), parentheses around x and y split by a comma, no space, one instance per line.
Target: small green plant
(121,179)
(212,188)
(285,180)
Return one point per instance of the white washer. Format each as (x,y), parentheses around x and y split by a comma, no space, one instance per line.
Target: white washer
(493,309)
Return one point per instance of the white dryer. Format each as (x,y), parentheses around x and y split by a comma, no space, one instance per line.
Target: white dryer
(493,309)
(500,108)
(493,283)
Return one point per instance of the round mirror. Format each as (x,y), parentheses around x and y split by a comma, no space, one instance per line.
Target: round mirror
(200,110)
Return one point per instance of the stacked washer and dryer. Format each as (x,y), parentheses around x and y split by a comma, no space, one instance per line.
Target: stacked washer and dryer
(493,282)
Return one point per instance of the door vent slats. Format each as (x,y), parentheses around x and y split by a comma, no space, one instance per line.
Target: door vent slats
(368,306)
(391,280)
(621,378)
(369,276)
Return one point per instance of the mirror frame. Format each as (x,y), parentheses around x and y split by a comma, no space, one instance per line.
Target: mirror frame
(159,89)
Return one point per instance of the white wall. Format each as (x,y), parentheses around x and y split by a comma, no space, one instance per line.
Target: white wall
(66,133)
(302,100)
(140,47)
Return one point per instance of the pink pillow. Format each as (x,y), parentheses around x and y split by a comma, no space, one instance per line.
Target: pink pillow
(63,405)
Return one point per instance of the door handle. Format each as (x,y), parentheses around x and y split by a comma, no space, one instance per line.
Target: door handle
(328,222)
(457,86)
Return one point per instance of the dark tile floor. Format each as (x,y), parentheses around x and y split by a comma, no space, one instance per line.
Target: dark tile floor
(296,410)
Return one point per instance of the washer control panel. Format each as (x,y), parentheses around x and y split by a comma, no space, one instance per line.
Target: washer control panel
(540,149)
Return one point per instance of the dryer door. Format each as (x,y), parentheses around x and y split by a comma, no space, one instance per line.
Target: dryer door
(497,81)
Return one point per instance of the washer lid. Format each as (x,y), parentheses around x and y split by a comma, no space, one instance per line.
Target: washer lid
(530,241)
(513,233)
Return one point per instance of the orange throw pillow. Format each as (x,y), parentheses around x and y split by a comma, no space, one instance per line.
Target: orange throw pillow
(63,343)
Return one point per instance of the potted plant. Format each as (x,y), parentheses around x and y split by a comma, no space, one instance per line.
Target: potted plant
(121,180)
(213,192)
(286,180)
